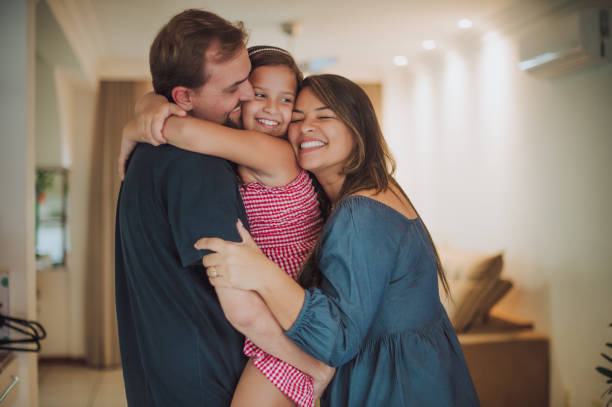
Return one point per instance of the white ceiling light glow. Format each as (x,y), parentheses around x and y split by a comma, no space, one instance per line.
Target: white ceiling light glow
(429,44)
(400,60)
(464,23)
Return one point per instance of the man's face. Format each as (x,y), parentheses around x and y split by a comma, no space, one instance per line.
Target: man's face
(219,99)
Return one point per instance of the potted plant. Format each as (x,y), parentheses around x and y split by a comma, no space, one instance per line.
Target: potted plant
(608,373)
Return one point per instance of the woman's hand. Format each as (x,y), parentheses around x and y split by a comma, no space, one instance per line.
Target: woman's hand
(236,265)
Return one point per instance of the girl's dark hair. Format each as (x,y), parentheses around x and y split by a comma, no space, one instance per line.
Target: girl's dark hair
(370,165)
(267,55)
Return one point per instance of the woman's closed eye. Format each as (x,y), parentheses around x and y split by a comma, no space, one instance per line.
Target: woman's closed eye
(297,117)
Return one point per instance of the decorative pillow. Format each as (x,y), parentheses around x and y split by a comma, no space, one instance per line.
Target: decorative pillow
(492,297)
(471,278)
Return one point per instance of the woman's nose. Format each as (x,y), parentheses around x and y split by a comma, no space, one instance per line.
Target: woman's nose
(306,127)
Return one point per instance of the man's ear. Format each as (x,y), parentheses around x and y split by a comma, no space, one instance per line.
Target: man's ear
(182,97)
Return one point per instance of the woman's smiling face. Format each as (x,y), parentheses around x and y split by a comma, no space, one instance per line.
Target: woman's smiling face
(321,141)
(269,112)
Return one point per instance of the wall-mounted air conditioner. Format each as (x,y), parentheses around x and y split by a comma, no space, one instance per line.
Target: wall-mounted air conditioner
(566,44)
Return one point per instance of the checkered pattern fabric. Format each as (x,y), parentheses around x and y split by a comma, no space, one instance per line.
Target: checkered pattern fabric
(285,222)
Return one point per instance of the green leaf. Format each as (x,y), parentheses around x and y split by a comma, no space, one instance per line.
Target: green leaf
(604,371)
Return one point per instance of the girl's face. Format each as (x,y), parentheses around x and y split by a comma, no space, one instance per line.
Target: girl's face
(321,141)
(269,112)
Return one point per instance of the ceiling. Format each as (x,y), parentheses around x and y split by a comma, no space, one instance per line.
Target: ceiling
(111,38)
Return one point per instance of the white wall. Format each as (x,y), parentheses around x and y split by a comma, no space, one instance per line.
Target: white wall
(66,103)
(83,119)
(61,300)
(48,133)
(496,159)
(17,154)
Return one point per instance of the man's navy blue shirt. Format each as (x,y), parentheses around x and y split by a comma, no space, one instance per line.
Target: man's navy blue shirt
(177,348)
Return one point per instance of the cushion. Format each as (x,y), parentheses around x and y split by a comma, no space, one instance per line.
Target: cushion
(492,297)
(471,278)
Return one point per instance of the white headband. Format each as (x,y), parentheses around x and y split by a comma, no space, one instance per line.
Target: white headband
(282,51)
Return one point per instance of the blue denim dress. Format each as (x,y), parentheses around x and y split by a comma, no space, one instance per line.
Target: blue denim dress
(377,314)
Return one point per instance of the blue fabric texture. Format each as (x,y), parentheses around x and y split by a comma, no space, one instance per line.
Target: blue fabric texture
(377,315)
(177,348)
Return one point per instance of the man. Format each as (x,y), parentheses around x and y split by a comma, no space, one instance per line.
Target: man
(177,347)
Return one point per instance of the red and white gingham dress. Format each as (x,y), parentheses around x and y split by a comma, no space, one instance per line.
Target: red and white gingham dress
(285,222)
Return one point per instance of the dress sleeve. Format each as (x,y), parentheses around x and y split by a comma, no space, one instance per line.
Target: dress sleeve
(356,264)
(202,200)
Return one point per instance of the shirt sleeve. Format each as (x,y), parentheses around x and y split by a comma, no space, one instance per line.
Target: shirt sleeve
(356,263)
(202,200)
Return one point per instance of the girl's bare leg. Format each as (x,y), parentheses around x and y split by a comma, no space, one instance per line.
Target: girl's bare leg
(254,389)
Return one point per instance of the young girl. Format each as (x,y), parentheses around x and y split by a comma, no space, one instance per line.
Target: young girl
(279,198)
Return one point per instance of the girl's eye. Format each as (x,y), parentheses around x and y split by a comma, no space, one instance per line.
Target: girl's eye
(286,100)
(259,95)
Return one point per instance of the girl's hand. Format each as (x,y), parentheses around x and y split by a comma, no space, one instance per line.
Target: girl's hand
(127,146)
(150,122)
(236,265)
(146,128)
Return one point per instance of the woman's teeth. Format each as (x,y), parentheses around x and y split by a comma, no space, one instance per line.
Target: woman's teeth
(267,122)
(311,144)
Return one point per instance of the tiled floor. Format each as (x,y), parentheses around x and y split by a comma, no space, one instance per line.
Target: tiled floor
(78,386)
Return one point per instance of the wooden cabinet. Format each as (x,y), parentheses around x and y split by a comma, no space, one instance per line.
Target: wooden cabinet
(509,367)
(9,381)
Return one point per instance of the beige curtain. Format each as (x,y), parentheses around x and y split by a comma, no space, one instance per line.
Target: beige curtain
(115,107)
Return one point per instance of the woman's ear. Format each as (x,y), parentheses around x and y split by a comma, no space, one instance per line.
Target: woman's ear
(182,97)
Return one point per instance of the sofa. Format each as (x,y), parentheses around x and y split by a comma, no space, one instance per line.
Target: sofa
(507,358)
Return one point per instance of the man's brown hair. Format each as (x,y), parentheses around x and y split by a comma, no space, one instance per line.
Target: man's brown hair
(177,54)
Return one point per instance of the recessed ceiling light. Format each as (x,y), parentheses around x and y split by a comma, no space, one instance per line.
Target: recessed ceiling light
(429,44)
(400,60)
(464,23)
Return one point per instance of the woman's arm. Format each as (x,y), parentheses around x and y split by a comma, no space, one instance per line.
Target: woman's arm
(270,159)
(329,322)
(234,265)
(246,311)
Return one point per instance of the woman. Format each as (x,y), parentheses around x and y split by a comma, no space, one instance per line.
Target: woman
(371,307)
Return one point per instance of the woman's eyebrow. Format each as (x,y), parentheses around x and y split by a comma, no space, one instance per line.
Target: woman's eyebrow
(316,110)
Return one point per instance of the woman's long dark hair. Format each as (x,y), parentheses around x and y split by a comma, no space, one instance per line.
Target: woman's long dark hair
(370,165)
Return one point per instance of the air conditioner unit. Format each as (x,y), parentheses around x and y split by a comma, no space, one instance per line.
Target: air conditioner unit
(566,44)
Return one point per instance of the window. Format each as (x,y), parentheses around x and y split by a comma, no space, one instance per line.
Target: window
(52,235)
